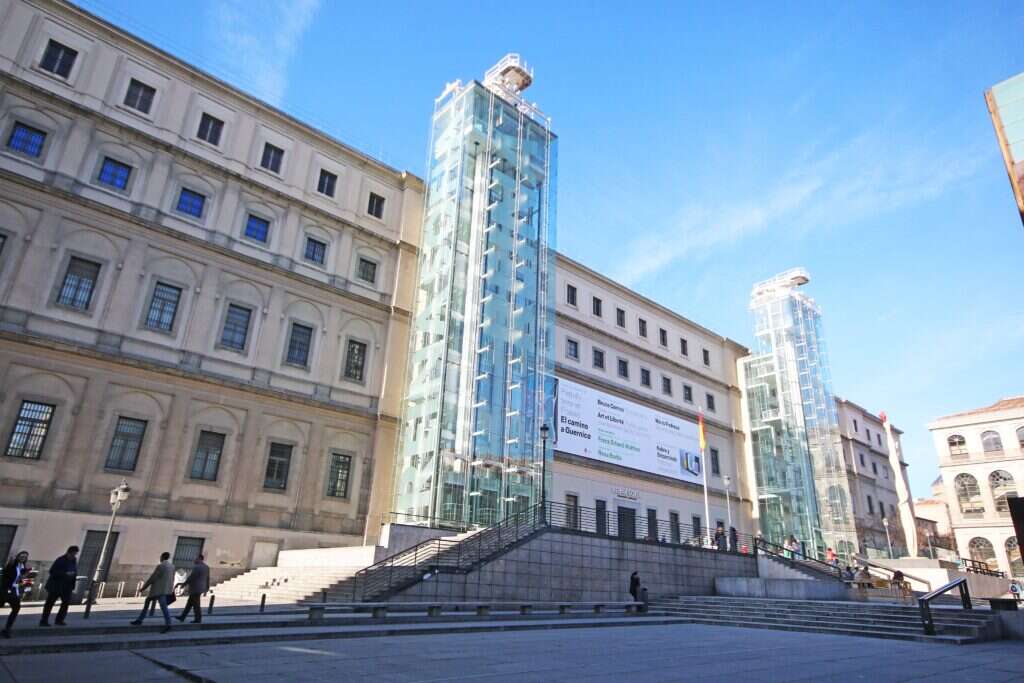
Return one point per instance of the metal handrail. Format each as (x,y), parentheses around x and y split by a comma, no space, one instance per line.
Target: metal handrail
(980,567)
(924,602)
(868,563)
(796,557)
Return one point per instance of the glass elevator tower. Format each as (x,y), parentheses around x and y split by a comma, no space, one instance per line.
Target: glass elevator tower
(480,377)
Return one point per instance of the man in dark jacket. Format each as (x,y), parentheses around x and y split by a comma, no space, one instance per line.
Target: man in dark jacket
(634,585)
(197,583)
(61,584)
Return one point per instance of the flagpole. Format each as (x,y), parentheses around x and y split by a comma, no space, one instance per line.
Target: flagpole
(704,473)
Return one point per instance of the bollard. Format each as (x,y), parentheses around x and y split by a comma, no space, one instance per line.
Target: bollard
(263,602)
(323,596)
(209,608)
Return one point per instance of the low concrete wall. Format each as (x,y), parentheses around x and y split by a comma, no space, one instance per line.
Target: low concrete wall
(561,565)
(354,556)
(787,589)
(1012,625)
(937,573)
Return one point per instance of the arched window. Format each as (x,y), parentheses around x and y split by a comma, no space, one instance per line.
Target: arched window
(1020,437)
(957,446)
(981,550)
(1003,487)
(1013,555)
(990,442)
(968,495)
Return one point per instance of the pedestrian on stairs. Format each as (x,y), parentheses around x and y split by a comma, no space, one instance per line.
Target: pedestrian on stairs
(634,585)
(161,586)
(197,583)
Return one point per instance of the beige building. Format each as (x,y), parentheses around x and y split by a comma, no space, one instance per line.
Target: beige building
(981,457)
(199,295)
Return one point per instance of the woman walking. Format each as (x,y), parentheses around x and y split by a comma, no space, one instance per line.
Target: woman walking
(10,588)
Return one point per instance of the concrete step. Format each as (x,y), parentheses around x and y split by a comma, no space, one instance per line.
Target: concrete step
(912,614)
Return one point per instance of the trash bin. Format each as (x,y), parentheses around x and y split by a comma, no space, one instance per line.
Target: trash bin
(643,598)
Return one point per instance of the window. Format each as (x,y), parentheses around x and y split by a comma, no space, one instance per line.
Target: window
(645,377)
(663,337)
(126,444)
(272,157)
(210,129)
(114,173)
(26,140)
(92,546)
(163,307)
(355,361)
(871,506)
(278,462)
(1020,431)
(709,400)
(652,524)
(1014,558)
(236,327)
(257,228)
(337,475)
(666,385)
(623,368)
(874,468)
(688,393)
(1003,488)
(707,356)
(30,430)
(206,460)
(186,550)
(957,446)
(715,465)
(641,325)
(7,532)
(367,271)
(572,349)
(316,251)
(599,359)
(981,550)
(968,495)
(684,347)
(855,425)
(620,317)
(673,527)
(863,462)
(991,442)
(878,438)
(375,206)
(79,284)
(325,185)
(570,295)
(191,202)
(601,516)
(595,306)
(58,59)
(139,96)
(572,511)
(300,340)
(696,524)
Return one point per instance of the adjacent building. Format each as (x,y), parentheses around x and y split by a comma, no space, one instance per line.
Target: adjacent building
(1006,107)
(981,459)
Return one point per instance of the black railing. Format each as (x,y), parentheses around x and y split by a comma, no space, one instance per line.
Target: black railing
(979,567)
(795,558)
(924,602)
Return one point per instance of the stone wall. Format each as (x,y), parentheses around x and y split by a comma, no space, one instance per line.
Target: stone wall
(561,565)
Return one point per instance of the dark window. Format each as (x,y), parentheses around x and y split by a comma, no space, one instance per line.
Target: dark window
(707,356)
(855,426)
(684,347)
(620,317)
(688,393)
(30,430)
(642,327)
(874,468)
(114,173)
(570,295)
(272,157)
(710,400)
(191,202)
(90,555)
(355,361)
(7,532)
(652,524)
(867,433)
(58,59)
(878,437)
(624,368)
(326,183)
(206,460)
(572,511)
(599,359)
(316,251)
(26,139)
(79,284)
(666,385)
(572,349)
(645,377)
(375,207)
(367,271)
(663,337)
(695,523)
(278,462)
(673,527)
(601,515)
(257,228)
(3,241)
(337,477)
(715,466)
(596,306)
(236,327)
(862,461)
(126,444)
(186,550)
(299,342)
(871,506)
(210,129)
(139,96)
(163,307)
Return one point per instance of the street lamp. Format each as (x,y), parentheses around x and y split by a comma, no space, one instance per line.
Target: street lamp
(117,496)
(885,523)
(544,431)
(727,480)
(931,550)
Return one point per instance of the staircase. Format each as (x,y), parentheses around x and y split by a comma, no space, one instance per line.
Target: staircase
(282,584)
(902,622)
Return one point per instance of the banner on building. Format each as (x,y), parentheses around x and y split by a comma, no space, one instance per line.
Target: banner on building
(593,424)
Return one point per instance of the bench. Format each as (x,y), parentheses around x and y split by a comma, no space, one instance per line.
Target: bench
(379,610)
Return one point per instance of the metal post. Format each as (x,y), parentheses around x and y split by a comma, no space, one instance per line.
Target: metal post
(931,550)
(116,496)
(888,541)
(263,602)
(209,608)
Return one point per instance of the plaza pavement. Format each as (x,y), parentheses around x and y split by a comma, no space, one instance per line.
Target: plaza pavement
(678,652)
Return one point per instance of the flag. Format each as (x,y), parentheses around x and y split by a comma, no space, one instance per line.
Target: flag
(700,430)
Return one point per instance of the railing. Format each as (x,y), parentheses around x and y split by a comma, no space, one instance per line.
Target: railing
(924,602)
(862,560)
(795,558)
(979,567)
(445,522)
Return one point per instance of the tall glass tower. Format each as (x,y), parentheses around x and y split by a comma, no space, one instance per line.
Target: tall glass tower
(480,374)
(798,461)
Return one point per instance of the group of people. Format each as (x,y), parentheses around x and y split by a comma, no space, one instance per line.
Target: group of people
(60,585)
(726,542)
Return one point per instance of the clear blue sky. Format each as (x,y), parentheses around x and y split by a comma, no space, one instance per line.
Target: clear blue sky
(705,148)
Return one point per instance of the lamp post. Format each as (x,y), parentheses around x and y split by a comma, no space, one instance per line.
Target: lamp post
(727,480)
(544,431)
(117,496)
(931,550)
(885,523)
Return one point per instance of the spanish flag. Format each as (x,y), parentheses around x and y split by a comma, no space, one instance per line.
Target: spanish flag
(700,430)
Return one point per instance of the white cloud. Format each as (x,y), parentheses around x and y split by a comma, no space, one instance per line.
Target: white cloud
(255,41)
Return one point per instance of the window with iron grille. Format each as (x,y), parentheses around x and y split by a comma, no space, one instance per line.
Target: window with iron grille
(26,140)
(126,444)
(367,271)
(79,284)
(598,359)
(337,476)
(715,466)
(30,430)
(375,206)
(186,550)
(316,251)
(710,401)
(139,96)
(278,462)
(163,307)
(688,393)
(572,349)
(257,228)
(645,377)
(58,59)
(191,202)
(114,173)
(272,157)
(206,459)
(326,183)
(210,128)
(236,327)
(666,386)
(299,342)
(355,361)
(623,368)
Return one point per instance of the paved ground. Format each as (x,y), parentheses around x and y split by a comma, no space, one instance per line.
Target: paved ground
(682,652)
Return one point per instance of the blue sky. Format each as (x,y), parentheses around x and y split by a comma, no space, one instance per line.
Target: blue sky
(705,148)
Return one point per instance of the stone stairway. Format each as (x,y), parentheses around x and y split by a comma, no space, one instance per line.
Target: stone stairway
(283,584)
(873,620)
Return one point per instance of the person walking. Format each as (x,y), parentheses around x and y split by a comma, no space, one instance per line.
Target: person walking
(634,585)
(197,583)
(10,588)
(733,539)
(720,537)
(830,557)
(60,584)
(161,587)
